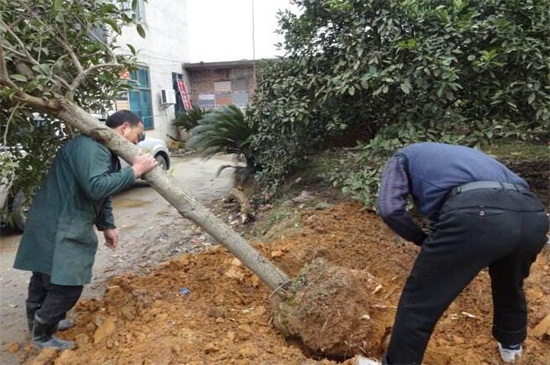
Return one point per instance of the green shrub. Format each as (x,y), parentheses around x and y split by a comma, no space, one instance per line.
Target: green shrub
(189,119)
(359,177)
(354,68)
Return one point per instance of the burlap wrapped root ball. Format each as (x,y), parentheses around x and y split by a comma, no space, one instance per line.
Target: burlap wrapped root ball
(331,312)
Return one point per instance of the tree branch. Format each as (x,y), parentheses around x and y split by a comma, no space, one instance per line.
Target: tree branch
(82,75)
(21,44)
(3,67)
(10,48)
(23,55)
(21,66)
(62,42)
(19,95)
(33,101)
(8,123)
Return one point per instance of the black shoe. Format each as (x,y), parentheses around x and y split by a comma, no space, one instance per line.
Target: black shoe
(31,310)
(42,336)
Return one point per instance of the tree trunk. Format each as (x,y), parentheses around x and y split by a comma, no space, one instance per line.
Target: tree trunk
(185,203)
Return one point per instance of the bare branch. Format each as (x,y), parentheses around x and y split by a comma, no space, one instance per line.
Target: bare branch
(81,76)
(8,123)
(10,48)
(19,95)
(21,44)
(3,67)
(62,81)
(59,40)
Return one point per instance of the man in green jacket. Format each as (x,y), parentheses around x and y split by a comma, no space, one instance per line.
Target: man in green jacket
(59,243)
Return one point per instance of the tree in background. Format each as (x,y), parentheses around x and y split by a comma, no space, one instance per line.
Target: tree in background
(70,57)
(53,59)
(461,71)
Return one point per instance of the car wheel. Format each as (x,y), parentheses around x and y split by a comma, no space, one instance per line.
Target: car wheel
(19,208)
(162,161)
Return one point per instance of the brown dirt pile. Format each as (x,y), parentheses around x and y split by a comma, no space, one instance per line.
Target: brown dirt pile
(224,318)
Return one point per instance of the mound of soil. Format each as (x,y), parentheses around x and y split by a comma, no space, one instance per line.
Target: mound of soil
(207,308)
(331,313)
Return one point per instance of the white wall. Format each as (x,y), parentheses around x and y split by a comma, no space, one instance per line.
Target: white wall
(163,50)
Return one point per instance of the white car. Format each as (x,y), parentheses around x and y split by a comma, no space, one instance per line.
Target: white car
(14,204)
(158,149)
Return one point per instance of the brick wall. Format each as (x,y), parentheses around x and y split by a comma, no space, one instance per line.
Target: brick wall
(209,81)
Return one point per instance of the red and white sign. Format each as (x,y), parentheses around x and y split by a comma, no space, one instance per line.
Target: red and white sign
(184,96)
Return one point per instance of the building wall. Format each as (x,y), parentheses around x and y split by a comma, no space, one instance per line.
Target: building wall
(163,51)
(221,85)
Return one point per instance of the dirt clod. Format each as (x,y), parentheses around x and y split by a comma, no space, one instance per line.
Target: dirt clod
(330,312)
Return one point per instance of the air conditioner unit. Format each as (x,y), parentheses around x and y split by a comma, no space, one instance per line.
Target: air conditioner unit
(167,97)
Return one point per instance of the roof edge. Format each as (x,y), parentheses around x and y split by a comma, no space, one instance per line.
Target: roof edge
(220,64)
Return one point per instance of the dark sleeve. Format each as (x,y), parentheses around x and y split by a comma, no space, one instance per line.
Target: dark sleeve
(406,227)
(92,168)
(106,219)
(392,201)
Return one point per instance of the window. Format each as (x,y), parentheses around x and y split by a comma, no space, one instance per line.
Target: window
(179,108)
(207,101)
(138,12)
(140,96)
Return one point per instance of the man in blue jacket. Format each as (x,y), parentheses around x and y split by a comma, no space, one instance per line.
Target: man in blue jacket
(482,215)
(59,243)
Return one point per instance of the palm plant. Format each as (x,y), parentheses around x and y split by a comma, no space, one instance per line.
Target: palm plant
(224,131)
(190,118)
(228,131)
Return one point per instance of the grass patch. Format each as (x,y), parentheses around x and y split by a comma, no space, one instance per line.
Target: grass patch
(519,151)
(283,218)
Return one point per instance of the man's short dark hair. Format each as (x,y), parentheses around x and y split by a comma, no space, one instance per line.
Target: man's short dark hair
(118,118)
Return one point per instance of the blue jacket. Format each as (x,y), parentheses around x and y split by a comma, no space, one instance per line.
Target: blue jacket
(434,168)
(427,172)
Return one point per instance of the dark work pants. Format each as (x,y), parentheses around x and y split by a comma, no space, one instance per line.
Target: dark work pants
(500,229)
(54,300)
